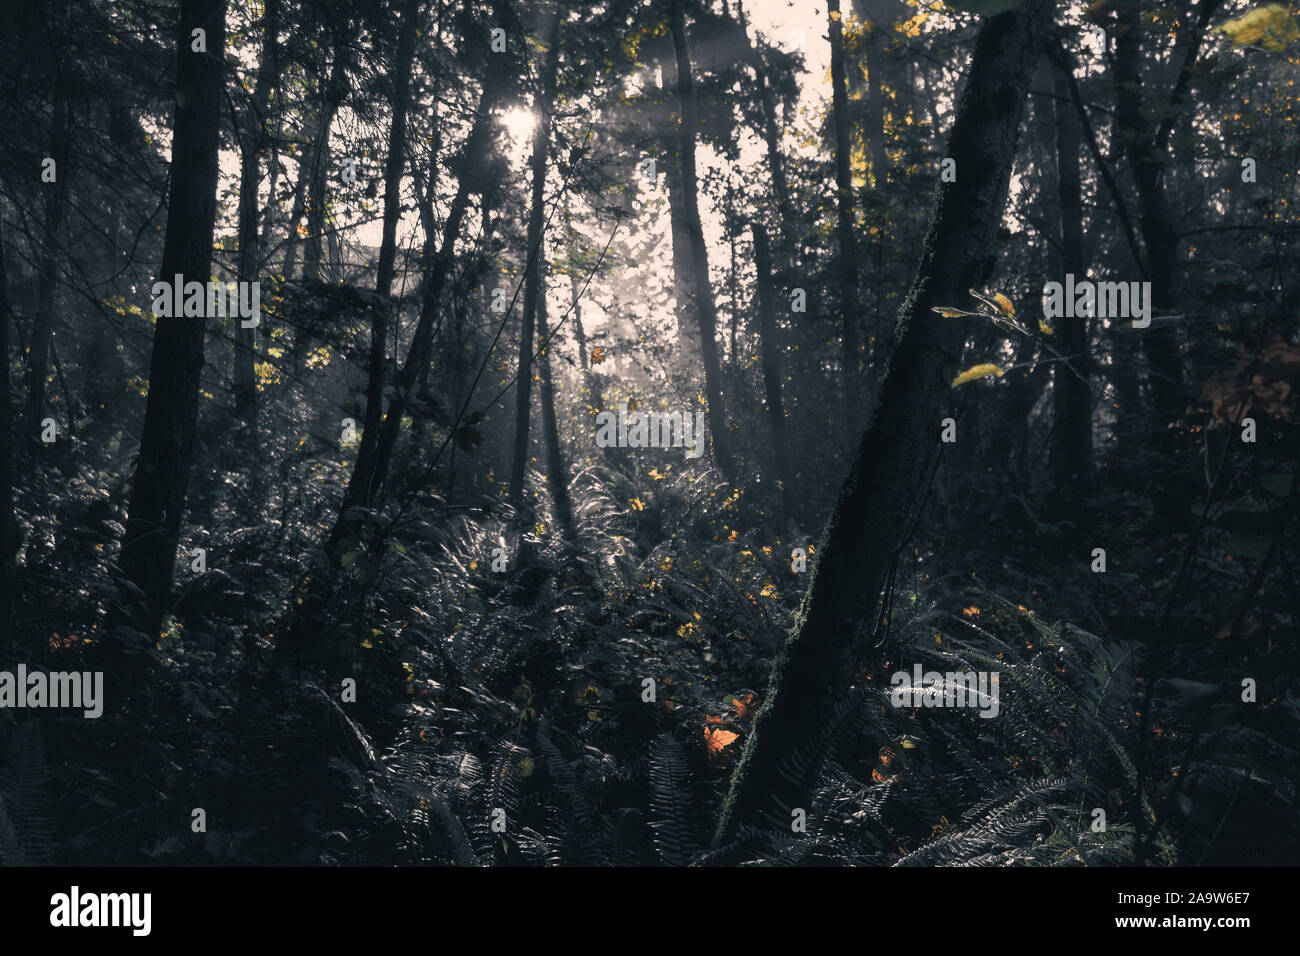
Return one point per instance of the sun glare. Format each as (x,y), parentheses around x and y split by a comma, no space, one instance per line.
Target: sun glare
(519,123)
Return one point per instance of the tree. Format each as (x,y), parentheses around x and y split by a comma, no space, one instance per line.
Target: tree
(1072,432)
(844,208)
(772,368)
(162,471)
(703,292)
(380,313)
(8,527)
(812,677)
(55,200)
(253,141)
(550,29)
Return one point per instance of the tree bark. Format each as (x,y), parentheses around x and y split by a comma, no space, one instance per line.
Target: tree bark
(1072,398)
(704,307)
(815,672)
(772,369)
(38,357)
(370,473)
(688,329)
(253,142)
(162,472)
(557,474)
(380,315)
(533,267)
(8,527)
(335,92)
(849,319)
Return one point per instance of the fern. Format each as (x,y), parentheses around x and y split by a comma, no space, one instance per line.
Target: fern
(26,828)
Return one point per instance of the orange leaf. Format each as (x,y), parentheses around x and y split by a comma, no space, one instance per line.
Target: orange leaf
(716,740)
(744,705)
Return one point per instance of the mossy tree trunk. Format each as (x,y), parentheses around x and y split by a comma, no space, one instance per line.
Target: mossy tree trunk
(814,673)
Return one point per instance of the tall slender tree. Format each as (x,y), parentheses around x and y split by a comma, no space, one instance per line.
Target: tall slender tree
(844,209)
(1072,396)
(381,313)
(162,471)
(705,311)
(550,30)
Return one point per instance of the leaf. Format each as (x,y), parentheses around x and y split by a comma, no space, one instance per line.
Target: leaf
(744,704)
(976,371)
(1045,328)
(1271,27)
(1004,305)
(716,740)
(948,313)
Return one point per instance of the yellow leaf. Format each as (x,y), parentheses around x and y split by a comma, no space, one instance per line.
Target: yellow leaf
(948,313)
(1045,328)
(1271,27)
(976,371)
(1004,304)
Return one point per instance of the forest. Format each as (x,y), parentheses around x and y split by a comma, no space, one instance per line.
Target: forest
(640,433)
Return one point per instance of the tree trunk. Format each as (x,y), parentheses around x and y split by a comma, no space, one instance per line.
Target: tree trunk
(849,319)
(162,470)
(1146,150)
(371,472)
(380,315)
(253,141)
(557,474)
(42,327)
(533,267)
(8,528)
(704,308)
(772,141)
(772,369)
(880,15)
(1072,398)
(317,203)
(688,330)
(814,675)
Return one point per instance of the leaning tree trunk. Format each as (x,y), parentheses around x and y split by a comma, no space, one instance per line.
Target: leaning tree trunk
(704,308)
(533,267)
(162,470)
(813,676)
(308,610)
